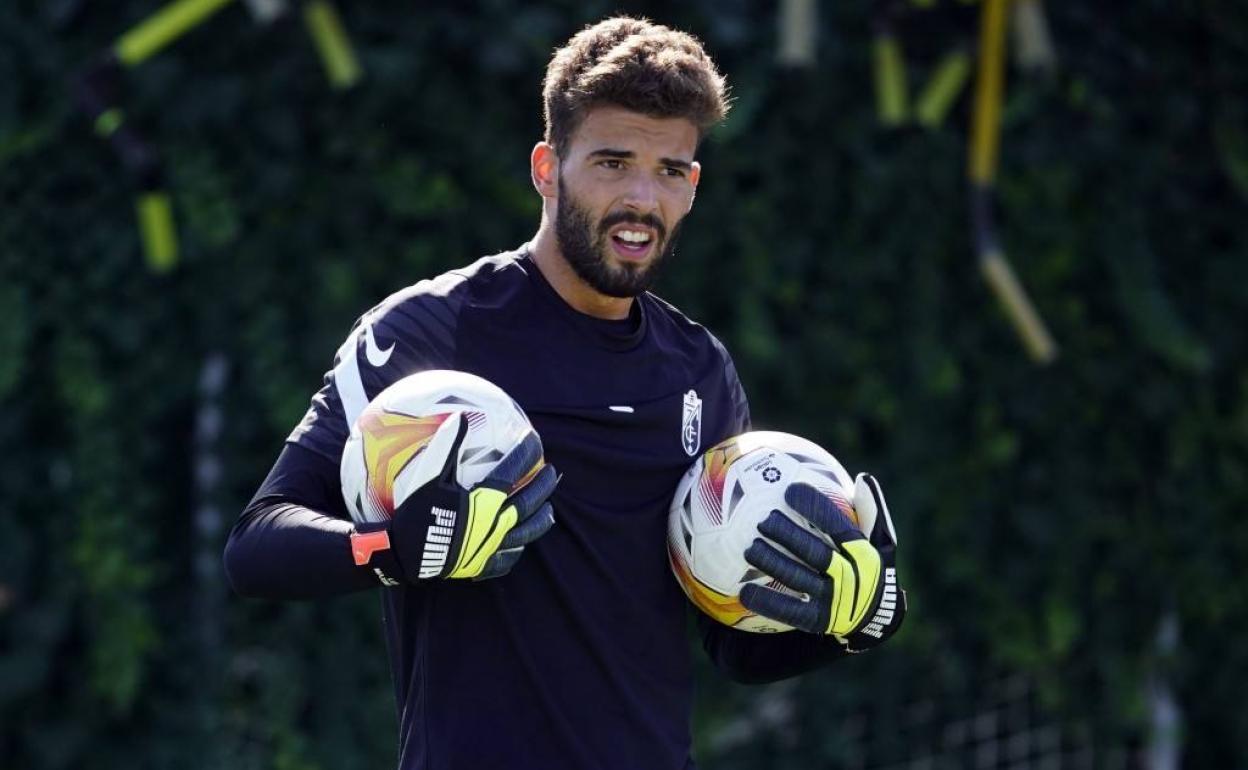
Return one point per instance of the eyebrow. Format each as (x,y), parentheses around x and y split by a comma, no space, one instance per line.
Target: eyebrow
(607,152)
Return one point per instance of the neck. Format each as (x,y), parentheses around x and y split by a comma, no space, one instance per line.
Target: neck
(567,284)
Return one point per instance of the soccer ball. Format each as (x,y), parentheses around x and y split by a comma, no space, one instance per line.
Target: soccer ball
(401,439)
(719,504)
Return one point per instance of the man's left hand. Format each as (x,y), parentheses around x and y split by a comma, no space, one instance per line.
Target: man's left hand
(851,587)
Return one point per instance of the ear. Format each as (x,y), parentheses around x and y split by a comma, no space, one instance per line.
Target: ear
(544,168)
(695,173)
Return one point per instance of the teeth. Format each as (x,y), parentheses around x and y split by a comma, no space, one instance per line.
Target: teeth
(632,236)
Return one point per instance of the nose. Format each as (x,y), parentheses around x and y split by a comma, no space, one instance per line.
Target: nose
(642,194)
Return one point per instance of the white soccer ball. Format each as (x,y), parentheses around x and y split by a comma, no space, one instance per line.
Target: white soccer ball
(719,504)
(402,438)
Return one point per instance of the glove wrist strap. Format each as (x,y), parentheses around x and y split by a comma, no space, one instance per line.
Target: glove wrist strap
(886,617)
(370,548)
(365,544)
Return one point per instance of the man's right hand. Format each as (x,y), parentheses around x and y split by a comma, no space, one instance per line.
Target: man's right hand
(445,531)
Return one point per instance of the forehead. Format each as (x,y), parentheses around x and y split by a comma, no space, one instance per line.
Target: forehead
(615,128)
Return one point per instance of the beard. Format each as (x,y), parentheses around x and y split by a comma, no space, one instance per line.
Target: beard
(587,249)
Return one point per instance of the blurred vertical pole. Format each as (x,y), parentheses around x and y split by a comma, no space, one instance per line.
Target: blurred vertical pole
(208,590)
(984,154)
(1165,734)
(799,26)
(989,85)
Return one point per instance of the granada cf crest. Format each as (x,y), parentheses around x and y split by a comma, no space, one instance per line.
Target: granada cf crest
(691,423)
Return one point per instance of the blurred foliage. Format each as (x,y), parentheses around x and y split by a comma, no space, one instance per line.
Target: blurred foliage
(1049,518)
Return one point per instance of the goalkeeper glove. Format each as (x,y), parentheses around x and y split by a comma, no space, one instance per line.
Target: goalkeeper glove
(445,531)
(851,589)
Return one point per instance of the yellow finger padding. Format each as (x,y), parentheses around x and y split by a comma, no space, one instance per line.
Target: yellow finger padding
(486,527)
(337,55)
(505,521)
(160,236)
(852,590)
(867,560)
(843,585)
(162,28)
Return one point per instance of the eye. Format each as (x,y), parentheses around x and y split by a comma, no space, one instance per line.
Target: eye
(611,163)
(673,171)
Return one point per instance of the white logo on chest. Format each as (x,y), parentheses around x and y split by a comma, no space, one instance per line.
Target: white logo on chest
(376,356)
(691,423)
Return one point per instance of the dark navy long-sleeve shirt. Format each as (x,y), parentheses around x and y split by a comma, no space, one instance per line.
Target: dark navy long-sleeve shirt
(578,657)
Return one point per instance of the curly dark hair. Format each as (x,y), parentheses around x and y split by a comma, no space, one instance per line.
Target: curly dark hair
(634,64)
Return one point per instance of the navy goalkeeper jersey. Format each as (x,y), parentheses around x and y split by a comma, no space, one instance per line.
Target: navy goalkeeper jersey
(578,658)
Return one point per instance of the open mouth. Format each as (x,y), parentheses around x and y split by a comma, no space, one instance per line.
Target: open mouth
(632,242)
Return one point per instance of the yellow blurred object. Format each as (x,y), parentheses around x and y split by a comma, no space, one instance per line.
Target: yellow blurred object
(1022,314)
(984,153)
(109,121)
(160,238)
(337,55)
(1033,44)
(890,80)
(986,129)
(942,89)
(162,28)
(799,23)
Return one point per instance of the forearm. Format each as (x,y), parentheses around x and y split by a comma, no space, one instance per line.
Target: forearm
(280,550)
(757,658)
(293,539)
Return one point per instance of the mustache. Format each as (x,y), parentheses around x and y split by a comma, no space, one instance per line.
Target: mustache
(623,217)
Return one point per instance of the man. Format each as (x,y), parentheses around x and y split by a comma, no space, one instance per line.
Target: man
(577,656)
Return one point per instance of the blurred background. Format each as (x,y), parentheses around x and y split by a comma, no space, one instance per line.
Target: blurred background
(993,252)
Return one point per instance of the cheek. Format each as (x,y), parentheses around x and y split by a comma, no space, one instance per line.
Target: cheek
(595,194)
(677,207)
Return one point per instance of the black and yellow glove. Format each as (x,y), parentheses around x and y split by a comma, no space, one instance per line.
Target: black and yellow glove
(445,531)
(851,590)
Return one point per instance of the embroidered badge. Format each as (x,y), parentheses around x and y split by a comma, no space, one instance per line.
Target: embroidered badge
(691,423)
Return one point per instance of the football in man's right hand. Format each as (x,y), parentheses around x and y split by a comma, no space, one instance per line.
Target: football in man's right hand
(449,443)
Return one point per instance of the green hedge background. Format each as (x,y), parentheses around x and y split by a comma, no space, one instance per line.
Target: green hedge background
(1054,520)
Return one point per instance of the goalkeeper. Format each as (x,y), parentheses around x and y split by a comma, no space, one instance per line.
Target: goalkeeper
(573,654)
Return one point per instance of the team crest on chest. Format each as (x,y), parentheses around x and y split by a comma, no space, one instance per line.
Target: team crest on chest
(691,423)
